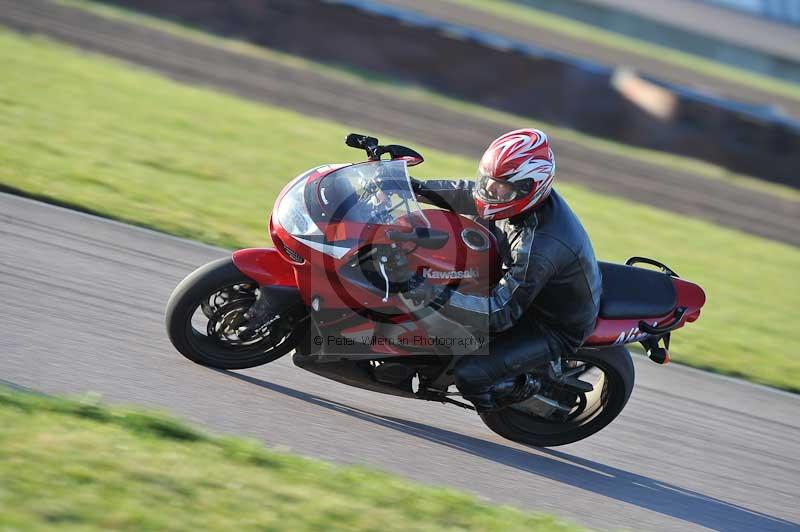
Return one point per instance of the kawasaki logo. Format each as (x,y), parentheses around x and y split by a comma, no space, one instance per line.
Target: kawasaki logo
(472,273)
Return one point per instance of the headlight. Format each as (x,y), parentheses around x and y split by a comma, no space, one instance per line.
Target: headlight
(293,215)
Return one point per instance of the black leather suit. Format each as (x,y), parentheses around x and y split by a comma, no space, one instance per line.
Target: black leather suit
(547,300)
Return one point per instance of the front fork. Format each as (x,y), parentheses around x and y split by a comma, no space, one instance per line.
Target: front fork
(278,298)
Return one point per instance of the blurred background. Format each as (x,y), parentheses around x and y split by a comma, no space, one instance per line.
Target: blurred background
(675,125)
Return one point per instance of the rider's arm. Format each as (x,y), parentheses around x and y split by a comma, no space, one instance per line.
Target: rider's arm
(510,299)
(451,195)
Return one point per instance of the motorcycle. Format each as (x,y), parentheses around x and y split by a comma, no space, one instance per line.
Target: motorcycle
(349,240)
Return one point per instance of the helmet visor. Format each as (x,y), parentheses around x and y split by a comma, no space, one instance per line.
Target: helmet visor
(496,190)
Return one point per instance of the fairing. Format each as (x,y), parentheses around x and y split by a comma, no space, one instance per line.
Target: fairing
(471,270)
(265,266)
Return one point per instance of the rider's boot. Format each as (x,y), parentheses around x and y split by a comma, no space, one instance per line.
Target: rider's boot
(516,389)
(505,370)
(505,393)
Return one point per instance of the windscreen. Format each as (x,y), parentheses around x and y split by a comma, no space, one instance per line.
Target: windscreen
(376,192)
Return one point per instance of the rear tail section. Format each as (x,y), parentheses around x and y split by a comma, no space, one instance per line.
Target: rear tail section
(643,305)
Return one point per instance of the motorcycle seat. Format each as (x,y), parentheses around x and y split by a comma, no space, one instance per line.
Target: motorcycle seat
(631,292)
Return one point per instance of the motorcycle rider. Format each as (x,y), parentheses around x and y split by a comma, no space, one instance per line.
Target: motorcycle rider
(547,301)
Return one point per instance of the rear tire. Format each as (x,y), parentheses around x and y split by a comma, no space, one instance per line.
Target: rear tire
(617,365)
(185,301)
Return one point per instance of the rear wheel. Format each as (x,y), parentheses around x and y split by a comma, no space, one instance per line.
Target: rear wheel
(611,374)
(207,320)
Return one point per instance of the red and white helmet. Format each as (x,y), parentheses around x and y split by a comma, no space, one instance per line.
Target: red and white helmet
(515,174)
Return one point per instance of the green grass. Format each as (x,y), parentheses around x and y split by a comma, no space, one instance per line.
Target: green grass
(568,27)
(133,146)
(67,465)
(696,167)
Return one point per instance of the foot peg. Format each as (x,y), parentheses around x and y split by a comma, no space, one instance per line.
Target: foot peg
(575,385)
(555,373)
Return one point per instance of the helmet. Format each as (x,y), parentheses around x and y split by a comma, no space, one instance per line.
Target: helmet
(515,174)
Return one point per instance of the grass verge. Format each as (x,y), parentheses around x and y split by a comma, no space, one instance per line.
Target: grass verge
(68,465)
(568,27)
(394,88)
(127,144)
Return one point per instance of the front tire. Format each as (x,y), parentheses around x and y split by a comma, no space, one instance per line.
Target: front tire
(616,365)
(218,291)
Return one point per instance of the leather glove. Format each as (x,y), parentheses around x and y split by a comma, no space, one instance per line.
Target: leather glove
(418,290)
(424,294)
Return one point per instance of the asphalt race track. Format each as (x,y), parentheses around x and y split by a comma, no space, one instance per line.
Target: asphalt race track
(82,311)
(425,123)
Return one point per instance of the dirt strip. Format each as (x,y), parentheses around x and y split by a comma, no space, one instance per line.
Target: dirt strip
(661,70)
(431,125)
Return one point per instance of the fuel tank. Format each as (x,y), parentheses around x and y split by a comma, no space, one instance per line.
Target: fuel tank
(469,259)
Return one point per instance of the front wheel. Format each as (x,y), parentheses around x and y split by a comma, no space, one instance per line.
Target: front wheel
(611,374)
(207,320)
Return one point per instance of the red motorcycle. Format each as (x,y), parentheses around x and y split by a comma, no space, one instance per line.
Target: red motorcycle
(349,238)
